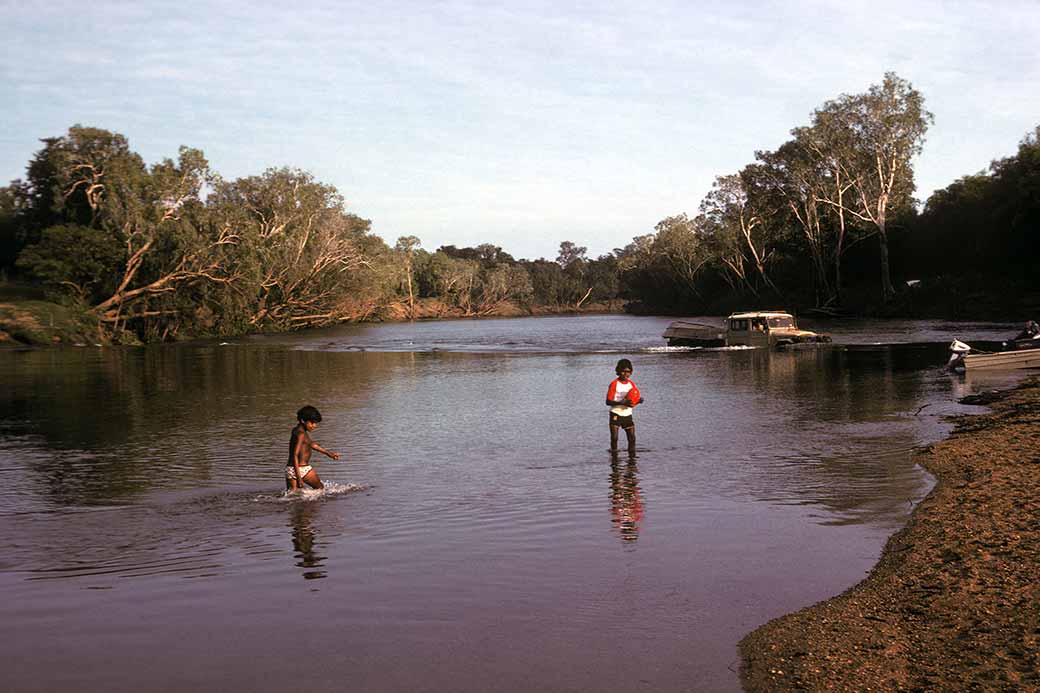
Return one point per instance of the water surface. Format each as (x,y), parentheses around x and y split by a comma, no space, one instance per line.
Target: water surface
(476,535)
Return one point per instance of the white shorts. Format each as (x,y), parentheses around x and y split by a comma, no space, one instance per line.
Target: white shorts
(290,472)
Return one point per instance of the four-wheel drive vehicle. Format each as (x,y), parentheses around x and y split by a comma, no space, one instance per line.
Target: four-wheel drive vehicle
(771,329)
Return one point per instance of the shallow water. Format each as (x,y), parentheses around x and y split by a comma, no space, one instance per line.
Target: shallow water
(476,534)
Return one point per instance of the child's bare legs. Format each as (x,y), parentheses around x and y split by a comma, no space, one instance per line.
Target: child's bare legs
(312,480)
(630,433)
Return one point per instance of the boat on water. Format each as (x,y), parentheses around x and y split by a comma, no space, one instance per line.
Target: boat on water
(1023,351)
(773,329)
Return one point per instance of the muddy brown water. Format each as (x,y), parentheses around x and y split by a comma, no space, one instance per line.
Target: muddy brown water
(476,534)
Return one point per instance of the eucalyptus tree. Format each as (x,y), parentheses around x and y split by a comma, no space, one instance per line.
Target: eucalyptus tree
(455,280)
(678,242)
(65,180)
(53,213)
(874,137)
(162,220)
(299,247)
(76,261)
(405,248)
(87,187)
(730,210)
(792,177)
(503,284)
(828,144)
(602,276)
(491,255)
(571,259)
(644,273)
(549,286)
(727,250)
(570,252)
(638,254)
(487,254)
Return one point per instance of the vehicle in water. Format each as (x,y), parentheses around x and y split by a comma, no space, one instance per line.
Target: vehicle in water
(773,329)
(1022,351)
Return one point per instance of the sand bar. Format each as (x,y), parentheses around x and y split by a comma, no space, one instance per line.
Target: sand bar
(954,602)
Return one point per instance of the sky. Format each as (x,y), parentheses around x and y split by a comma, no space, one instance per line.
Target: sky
(520,124)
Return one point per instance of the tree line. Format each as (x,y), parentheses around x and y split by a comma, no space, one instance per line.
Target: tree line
(984,226)
(169,250)
(173,249)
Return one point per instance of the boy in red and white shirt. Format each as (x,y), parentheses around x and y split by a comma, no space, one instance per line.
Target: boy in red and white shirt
(622,396)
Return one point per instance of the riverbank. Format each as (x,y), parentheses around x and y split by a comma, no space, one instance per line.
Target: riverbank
(954,603)
(42,323)
(32,322)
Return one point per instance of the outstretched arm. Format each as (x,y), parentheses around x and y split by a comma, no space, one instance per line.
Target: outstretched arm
(333,455)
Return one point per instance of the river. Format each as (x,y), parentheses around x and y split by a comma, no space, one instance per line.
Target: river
(476,533)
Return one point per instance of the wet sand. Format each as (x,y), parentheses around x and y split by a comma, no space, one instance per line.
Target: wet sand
(954,602)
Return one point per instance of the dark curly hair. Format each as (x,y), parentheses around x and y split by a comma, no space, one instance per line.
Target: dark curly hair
(308,413)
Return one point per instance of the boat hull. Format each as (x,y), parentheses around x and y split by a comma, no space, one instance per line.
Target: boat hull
(1022,358)
(694,334)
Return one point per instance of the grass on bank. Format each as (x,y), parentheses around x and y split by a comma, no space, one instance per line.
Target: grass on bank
(37,322)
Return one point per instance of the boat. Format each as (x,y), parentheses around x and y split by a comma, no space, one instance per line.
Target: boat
(694,334)
(775,329)
(1021,352)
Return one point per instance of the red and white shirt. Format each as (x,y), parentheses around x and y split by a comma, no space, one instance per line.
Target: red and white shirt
(619,392)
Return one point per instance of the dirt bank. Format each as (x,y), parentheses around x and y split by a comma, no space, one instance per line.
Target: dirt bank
(954,603)
(36,323)
(40,323)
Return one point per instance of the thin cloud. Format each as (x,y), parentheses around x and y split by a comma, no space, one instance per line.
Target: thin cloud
(460,120)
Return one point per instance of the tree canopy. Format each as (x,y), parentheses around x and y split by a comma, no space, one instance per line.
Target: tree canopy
(172,249)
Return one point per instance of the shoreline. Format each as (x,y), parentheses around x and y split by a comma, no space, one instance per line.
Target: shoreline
(953,602)
(41,324)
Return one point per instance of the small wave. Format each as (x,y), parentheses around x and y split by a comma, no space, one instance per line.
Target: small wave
(670,349)
(309,495)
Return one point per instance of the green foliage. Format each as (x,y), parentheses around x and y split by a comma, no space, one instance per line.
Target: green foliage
(570,253)
(171,250)
(455,280)
(294,248)
(75,261)
(11,240)
(151,252)
(68,177)
(486,254)
(784,225)
(548,285)
(42,323)
(987,223)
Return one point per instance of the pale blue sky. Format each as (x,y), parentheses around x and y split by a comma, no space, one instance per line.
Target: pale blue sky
(520,124)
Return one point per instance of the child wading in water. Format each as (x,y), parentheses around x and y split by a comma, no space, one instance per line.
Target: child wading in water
(622,396)
(298,471)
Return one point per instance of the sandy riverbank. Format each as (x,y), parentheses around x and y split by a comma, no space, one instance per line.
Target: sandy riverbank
(954,603)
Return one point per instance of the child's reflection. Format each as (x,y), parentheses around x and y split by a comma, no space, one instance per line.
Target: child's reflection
(303,536)
(626,503)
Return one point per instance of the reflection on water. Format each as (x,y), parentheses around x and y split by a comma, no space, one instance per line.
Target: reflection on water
(145,485)
(626,502)
(303,539)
